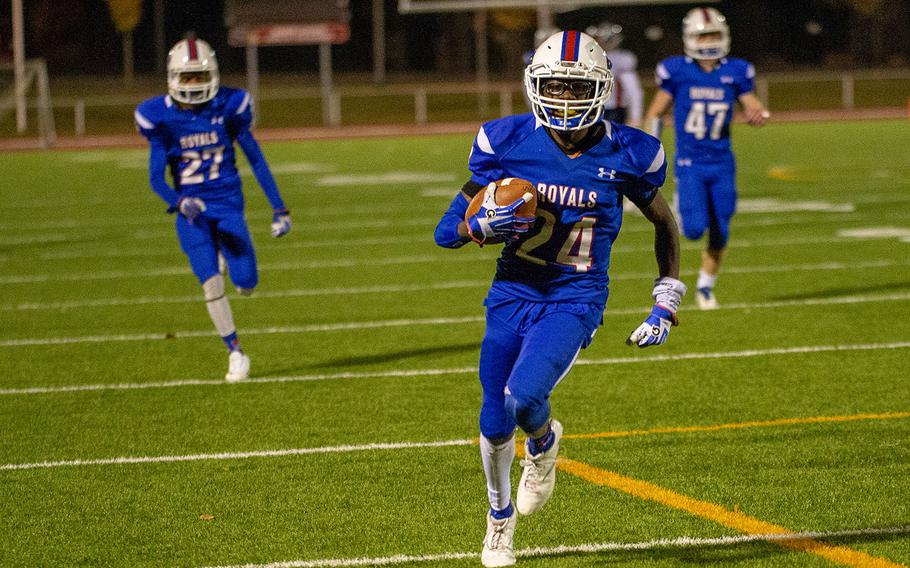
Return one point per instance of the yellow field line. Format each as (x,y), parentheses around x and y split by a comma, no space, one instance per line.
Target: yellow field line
(739,425)
(718,514)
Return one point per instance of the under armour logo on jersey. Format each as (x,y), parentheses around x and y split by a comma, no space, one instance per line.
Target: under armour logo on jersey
(217,120)
(602,172)
(727,80)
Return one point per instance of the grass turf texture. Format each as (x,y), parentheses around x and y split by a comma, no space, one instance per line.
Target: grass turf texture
(83,226)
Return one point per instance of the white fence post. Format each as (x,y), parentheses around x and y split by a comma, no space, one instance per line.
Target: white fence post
(79,117)
(505,102)
(420,106)
(846,82)
(335,109)
(761,90)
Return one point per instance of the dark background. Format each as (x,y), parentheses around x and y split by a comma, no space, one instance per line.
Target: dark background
(79,37)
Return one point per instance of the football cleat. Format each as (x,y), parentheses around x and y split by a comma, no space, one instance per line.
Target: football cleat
(238,367)
(497,544)
(539,476)
(706,299)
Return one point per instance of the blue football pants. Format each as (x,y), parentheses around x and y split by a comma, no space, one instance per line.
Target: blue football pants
(706,199)
(227,233)
(527,349)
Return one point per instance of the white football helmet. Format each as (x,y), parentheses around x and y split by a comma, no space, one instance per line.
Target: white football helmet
(701,21)
(196,58)
(574,58)
(607,34)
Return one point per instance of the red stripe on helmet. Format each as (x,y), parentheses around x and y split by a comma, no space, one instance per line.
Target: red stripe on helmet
(706,14)
(194,52)
(570,42)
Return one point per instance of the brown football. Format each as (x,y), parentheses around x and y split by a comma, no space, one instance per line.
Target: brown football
(504,192)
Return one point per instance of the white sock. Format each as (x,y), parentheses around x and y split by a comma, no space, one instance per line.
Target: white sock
(705,280)
(497,462)
(218,306)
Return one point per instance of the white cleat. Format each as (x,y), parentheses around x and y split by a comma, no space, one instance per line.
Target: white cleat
(238,367)
(539,476)
(497,545)
(706,299)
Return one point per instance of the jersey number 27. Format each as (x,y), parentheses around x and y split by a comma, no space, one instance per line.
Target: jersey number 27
(191,174)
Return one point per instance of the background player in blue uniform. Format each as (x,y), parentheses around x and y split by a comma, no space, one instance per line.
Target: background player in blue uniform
(704,87)
(191,132)
(547,298)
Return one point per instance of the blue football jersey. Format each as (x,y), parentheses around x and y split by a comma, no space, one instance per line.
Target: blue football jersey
(565,256)
(200,144)
(703,102)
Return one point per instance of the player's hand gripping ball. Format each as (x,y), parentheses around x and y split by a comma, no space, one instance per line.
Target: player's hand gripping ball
(504,210)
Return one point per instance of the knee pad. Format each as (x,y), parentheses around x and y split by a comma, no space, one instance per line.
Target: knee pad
(213,288)
(530,414)
(245,291)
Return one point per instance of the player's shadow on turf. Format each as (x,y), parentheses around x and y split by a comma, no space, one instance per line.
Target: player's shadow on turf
(851,291)
(389,356)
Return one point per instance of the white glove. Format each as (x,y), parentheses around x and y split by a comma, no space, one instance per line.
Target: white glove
(281,223)
(668,293)
(190,207)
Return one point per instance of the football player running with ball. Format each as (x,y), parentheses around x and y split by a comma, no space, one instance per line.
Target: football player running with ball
(703,87)
(547,298)
(191,132)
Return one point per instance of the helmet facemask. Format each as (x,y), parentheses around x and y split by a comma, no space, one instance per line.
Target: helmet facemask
(192,72)
(591,68)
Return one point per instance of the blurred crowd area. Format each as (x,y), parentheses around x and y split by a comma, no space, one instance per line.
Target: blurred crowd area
(78,37)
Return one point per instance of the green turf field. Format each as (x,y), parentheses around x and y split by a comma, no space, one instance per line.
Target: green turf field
(121,445)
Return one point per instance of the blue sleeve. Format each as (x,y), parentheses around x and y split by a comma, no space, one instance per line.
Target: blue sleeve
(241,125)
(483,162)
(647,154)
(744,79)
(447,230)
(151,128)
(260,168)
(664,77)
(157,169)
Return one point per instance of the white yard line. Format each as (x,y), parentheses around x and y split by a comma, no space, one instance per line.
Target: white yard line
(239,455)
(808,349)
(406,239)
(348,326)
(342,326)
(593,548)
(415,259)
(294,293)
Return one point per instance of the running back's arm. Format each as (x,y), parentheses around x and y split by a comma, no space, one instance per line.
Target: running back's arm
(666,236)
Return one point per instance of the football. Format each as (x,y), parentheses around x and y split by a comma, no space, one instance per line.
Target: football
(504,192)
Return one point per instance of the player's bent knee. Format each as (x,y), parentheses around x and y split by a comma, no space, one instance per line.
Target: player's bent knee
(213,288)
(693,233)
(717,240)
(530,413)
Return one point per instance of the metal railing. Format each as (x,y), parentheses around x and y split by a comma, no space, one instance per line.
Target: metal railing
(505,93)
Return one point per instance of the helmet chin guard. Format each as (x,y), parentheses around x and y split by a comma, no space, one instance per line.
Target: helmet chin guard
(192,57)
(702,21)
(569,56)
